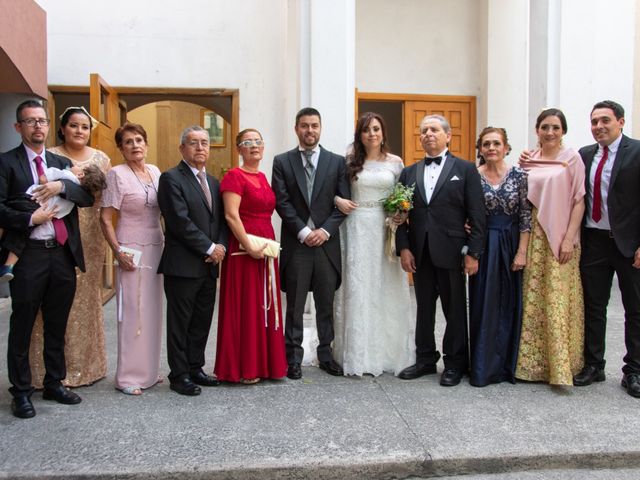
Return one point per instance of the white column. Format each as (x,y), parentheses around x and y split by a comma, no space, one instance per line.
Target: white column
(326,66)
(507,70)
(635,130)
(596,61)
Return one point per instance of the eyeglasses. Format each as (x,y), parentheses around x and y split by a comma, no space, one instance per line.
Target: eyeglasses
(195,143)
(251,143)
(32,122)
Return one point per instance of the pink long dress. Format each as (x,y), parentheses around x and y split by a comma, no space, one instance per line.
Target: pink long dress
(139,292)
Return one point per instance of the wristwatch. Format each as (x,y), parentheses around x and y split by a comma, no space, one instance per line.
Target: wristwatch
(474,255)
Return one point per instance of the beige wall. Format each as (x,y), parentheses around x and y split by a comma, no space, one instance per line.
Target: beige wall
(164,123)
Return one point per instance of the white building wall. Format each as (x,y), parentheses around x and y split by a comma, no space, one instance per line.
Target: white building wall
(597,59)
(418,46)
(193,44)
(461,47)
(507,70)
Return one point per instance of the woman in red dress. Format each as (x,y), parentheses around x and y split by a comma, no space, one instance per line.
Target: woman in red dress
(250,324)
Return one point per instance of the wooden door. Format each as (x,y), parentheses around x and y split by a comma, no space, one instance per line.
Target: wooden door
(106,107)
(461,115)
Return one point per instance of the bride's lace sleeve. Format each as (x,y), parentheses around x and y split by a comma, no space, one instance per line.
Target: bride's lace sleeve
(396,165)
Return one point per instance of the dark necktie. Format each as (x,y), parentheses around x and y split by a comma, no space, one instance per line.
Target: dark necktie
(596,212)
(58,224)
(309,170)
(202,177)
(429,160)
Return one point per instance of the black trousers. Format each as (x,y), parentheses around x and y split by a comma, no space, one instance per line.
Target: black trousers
(190,304)
(309,270)
(431,282)
(600,259)
(45,278)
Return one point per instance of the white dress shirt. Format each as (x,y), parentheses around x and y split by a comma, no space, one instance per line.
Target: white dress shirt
(44,231)
(605,180)
(304,233)
(432,173)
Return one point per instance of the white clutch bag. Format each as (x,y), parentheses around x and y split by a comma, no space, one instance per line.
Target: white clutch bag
(273,247)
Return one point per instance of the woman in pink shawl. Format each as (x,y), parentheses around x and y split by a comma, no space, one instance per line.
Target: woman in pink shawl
(551,342)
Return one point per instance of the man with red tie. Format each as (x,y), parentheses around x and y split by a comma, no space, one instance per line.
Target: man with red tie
(45,275)
(611,242)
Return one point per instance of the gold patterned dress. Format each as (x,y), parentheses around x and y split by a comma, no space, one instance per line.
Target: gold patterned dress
(85,353)
(552,336)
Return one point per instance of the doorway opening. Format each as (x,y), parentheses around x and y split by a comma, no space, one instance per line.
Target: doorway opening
(403,113)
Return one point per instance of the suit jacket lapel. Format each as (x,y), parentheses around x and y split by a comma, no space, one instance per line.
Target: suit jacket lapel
(194,182)
(321,172)
(25,168)
(420,181)
(296,165)
(587,168)
(444,175)
(620,156)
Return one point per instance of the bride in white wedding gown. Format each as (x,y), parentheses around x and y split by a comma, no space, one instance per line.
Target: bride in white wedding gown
(373,320)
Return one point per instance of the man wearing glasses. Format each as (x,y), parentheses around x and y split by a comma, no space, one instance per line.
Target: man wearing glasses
(45,275)
(195,243)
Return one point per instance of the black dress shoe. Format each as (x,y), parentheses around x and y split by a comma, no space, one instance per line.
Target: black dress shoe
(450,377)
(185,386)
(631,381)
(332,368)
(22,407)
(294,372)
(588,375)
(417,371)
(201,378)
(61,395)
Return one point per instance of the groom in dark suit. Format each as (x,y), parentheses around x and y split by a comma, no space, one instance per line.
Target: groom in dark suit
(195,243)
(448,193)
(305,181)
(611,242)
(45,275)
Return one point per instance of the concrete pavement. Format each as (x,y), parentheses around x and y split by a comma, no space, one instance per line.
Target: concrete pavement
(329,428)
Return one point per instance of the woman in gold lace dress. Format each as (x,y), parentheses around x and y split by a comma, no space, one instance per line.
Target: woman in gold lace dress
(551,341)
(85,352)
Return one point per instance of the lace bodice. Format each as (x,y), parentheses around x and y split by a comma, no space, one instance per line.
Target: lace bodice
(376,181)
(510,197)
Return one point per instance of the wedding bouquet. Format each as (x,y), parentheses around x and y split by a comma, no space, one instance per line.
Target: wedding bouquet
(399,201)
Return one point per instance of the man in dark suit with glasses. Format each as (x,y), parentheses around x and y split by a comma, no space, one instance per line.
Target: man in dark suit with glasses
(45,275)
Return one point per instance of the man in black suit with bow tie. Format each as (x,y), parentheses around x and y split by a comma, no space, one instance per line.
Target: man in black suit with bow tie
(611,242)
(45,275)
(448,193)
(196,236)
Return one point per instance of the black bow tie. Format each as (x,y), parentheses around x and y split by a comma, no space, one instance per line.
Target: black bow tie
(429,160)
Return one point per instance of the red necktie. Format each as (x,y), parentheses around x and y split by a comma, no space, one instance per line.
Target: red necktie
(58,224)
(596,212)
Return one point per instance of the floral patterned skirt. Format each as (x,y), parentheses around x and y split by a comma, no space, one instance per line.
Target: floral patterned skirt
(552,338)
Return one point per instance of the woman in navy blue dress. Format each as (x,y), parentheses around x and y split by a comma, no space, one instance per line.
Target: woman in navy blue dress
(496,291)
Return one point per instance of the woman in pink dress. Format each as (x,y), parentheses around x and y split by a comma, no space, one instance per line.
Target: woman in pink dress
(250,324)
(136,242)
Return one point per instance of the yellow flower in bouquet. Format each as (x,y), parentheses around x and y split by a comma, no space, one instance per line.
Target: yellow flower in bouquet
(400,199)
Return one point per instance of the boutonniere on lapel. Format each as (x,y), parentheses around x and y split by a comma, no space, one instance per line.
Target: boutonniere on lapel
(454,178)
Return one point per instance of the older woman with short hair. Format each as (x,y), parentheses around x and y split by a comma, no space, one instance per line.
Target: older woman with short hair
(136,243)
